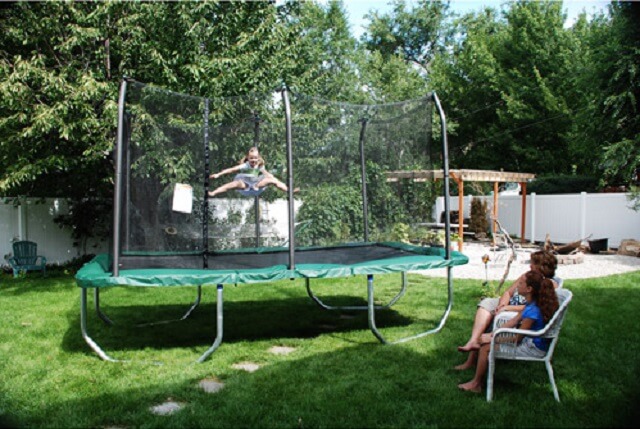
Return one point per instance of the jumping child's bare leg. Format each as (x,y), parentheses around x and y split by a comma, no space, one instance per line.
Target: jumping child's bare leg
(277,183)
(236,184)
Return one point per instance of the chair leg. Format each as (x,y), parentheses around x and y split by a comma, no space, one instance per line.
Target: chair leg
(490,371)
(551,379)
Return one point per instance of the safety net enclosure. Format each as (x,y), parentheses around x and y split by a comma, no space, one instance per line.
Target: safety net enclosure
(332,214)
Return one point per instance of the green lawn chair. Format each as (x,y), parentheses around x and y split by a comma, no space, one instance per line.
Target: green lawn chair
(25,258)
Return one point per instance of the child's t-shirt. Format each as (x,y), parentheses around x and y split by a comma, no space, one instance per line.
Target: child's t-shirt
(533,312)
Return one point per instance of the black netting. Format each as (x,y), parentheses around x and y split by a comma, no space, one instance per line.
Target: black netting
(173,139)
(333,143)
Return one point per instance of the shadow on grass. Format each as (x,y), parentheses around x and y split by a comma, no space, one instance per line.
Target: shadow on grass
(243,321)
(355,384)
(365,385)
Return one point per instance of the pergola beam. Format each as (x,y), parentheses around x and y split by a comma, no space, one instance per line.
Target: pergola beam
(460,176)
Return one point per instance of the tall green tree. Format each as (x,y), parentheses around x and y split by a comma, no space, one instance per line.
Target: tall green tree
(508,84)
(610,129)
(416,33)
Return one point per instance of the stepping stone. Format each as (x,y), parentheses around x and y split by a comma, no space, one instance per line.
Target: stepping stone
(211,385)
(246,366)
(166,408)
(281,350)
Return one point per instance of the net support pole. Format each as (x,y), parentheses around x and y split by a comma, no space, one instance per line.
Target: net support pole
(117,191)
(287,112)
(363,172)
(205,200)
(256,199)
(445,168)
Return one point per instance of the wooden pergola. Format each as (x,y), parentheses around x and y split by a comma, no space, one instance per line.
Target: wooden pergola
(460,176)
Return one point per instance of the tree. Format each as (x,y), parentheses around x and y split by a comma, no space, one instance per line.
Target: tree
(416,34)
(611,128)
(508,87)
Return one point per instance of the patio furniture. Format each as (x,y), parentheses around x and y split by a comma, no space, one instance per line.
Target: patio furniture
(25,258)
(503,343)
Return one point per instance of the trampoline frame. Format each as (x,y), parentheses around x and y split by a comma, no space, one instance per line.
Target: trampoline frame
(370,307)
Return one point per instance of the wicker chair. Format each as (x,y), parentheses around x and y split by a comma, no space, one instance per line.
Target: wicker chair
(25,258)
(503,343)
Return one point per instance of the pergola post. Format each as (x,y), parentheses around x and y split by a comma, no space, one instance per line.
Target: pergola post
(494,213)
(460,184)
(523,219)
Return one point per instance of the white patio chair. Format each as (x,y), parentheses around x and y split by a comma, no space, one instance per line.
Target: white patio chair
(506,346)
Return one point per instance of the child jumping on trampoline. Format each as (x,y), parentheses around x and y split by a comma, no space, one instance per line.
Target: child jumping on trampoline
(252,178)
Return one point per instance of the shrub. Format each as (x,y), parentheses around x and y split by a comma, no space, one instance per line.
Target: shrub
(563,184)
(478,222)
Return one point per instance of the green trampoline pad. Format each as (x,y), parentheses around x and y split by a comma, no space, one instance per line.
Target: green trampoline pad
(264,265)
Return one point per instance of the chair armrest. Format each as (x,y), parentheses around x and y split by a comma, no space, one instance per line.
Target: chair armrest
(526,332)
(503,317)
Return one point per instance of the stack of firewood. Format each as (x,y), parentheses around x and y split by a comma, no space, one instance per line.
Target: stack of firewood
(565,249)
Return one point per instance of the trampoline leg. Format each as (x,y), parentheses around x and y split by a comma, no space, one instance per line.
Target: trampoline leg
(443,319)
(372,310)
(83,327)
(96,300)
(395,299)
(194,305)
(218,339)
(184,316)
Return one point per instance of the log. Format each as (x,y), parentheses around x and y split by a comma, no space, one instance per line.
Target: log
(568,248)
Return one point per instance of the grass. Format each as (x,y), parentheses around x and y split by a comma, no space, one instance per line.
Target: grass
(338,376)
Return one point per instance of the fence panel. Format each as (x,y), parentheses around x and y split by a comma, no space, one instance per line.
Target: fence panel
(565,217)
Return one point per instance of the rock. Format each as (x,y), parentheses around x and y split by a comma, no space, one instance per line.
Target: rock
(629,247)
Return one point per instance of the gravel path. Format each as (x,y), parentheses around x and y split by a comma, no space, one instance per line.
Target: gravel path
(593,265)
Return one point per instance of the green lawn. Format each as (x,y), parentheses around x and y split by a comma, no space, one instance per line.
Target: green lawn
(338,376)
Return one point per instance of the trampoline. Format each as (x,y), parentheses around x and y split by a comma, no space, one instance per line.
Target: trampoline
(167,140)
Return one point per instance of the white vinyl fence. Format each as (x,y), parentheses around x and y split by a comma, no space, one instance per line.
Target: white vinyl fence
(33,220)
(565,217)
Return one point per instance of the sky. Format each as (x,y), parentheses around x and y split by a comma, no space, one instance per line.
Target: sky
(356,9)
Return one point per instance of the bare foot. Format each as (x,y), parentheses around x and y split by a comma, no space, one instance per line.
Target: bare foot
(469,347)
(463,366)
(296,190)
(471,386)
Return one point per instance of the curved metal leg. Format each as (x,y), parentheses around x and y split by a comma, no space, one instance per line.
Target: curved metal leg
(184,316)
(108,321)
(372,308)
(218,339)
(357,307)
(96,300)
(83,327)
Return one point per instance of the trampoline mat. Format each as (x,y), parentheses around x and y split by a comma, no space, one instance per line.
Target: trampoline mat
(343,255)
(264,264)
